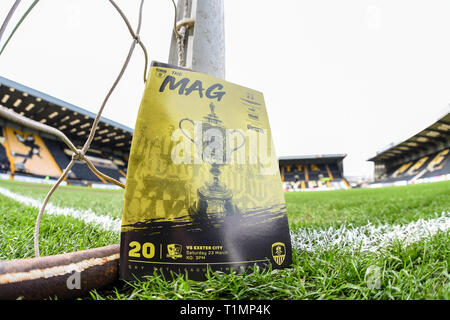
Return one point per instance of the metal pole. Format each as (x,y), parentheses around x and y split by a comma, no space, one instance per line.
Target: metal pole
(205,41)
(65,276)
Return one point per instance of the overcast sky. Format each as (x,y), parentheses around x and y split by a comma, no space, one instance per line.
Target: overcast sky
(338,76)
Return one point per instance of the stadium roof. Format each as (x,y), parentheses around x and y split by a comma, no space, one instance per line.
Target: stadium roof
(73,121)
(431,139)
(320,158)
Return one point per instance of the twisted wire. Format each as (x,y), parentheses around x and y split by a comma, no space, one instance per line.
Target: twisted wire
(78,154)
(180,29)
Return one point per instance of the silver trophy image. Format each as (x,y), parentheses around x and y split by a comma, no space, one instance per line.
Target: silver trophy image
(214,198)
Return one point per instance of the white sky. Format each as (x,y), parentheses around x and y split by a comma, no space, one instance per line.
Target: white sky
(338,76)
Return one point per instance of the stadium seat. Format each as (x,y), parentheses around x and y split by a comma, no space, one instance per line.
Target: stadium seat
(433,165)
(82,172)
(30,154)
(438,161)
(440,167)
(313,173)
(57,150)
(4,161)
(417,166)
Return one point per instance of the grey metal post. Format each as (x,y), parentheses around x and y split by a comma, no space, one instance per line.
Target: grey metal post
(205,42)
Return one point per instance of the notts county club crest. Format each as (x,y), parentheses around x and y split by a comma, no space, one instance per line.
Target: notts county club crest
(278,252)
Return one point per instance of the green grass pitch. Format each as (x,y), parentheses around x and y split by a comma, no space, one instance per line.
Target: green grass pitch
(402,270)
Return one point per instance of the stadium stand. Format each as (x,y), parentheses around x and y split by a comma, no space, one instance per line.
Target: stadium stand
(424,157)
(313,173)
(29,154)
(57,150)
(25,153)
(4,161)
(39,155)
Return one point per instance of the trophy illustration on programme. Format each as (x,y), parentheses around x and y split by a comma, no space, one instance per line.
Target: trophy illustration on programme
(214,198)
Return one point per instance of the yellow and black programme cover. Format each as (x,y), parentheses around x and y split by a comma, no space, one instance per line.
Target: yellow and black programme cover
(203,188)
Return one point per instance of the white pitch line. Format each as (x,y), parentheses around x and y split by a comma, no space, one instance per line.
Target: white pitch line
(87,216)
(367,238)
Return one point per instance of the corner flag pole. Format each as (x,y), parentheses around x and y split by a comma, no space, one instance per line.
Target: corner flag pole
(204,44)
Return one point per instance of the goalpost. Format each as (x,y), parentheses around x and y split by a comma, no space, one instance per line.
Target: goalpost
(198,44)
(201,25)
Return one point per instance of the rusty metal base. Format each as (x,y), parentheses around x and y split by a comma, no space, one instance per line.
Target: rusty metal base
(63,276)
